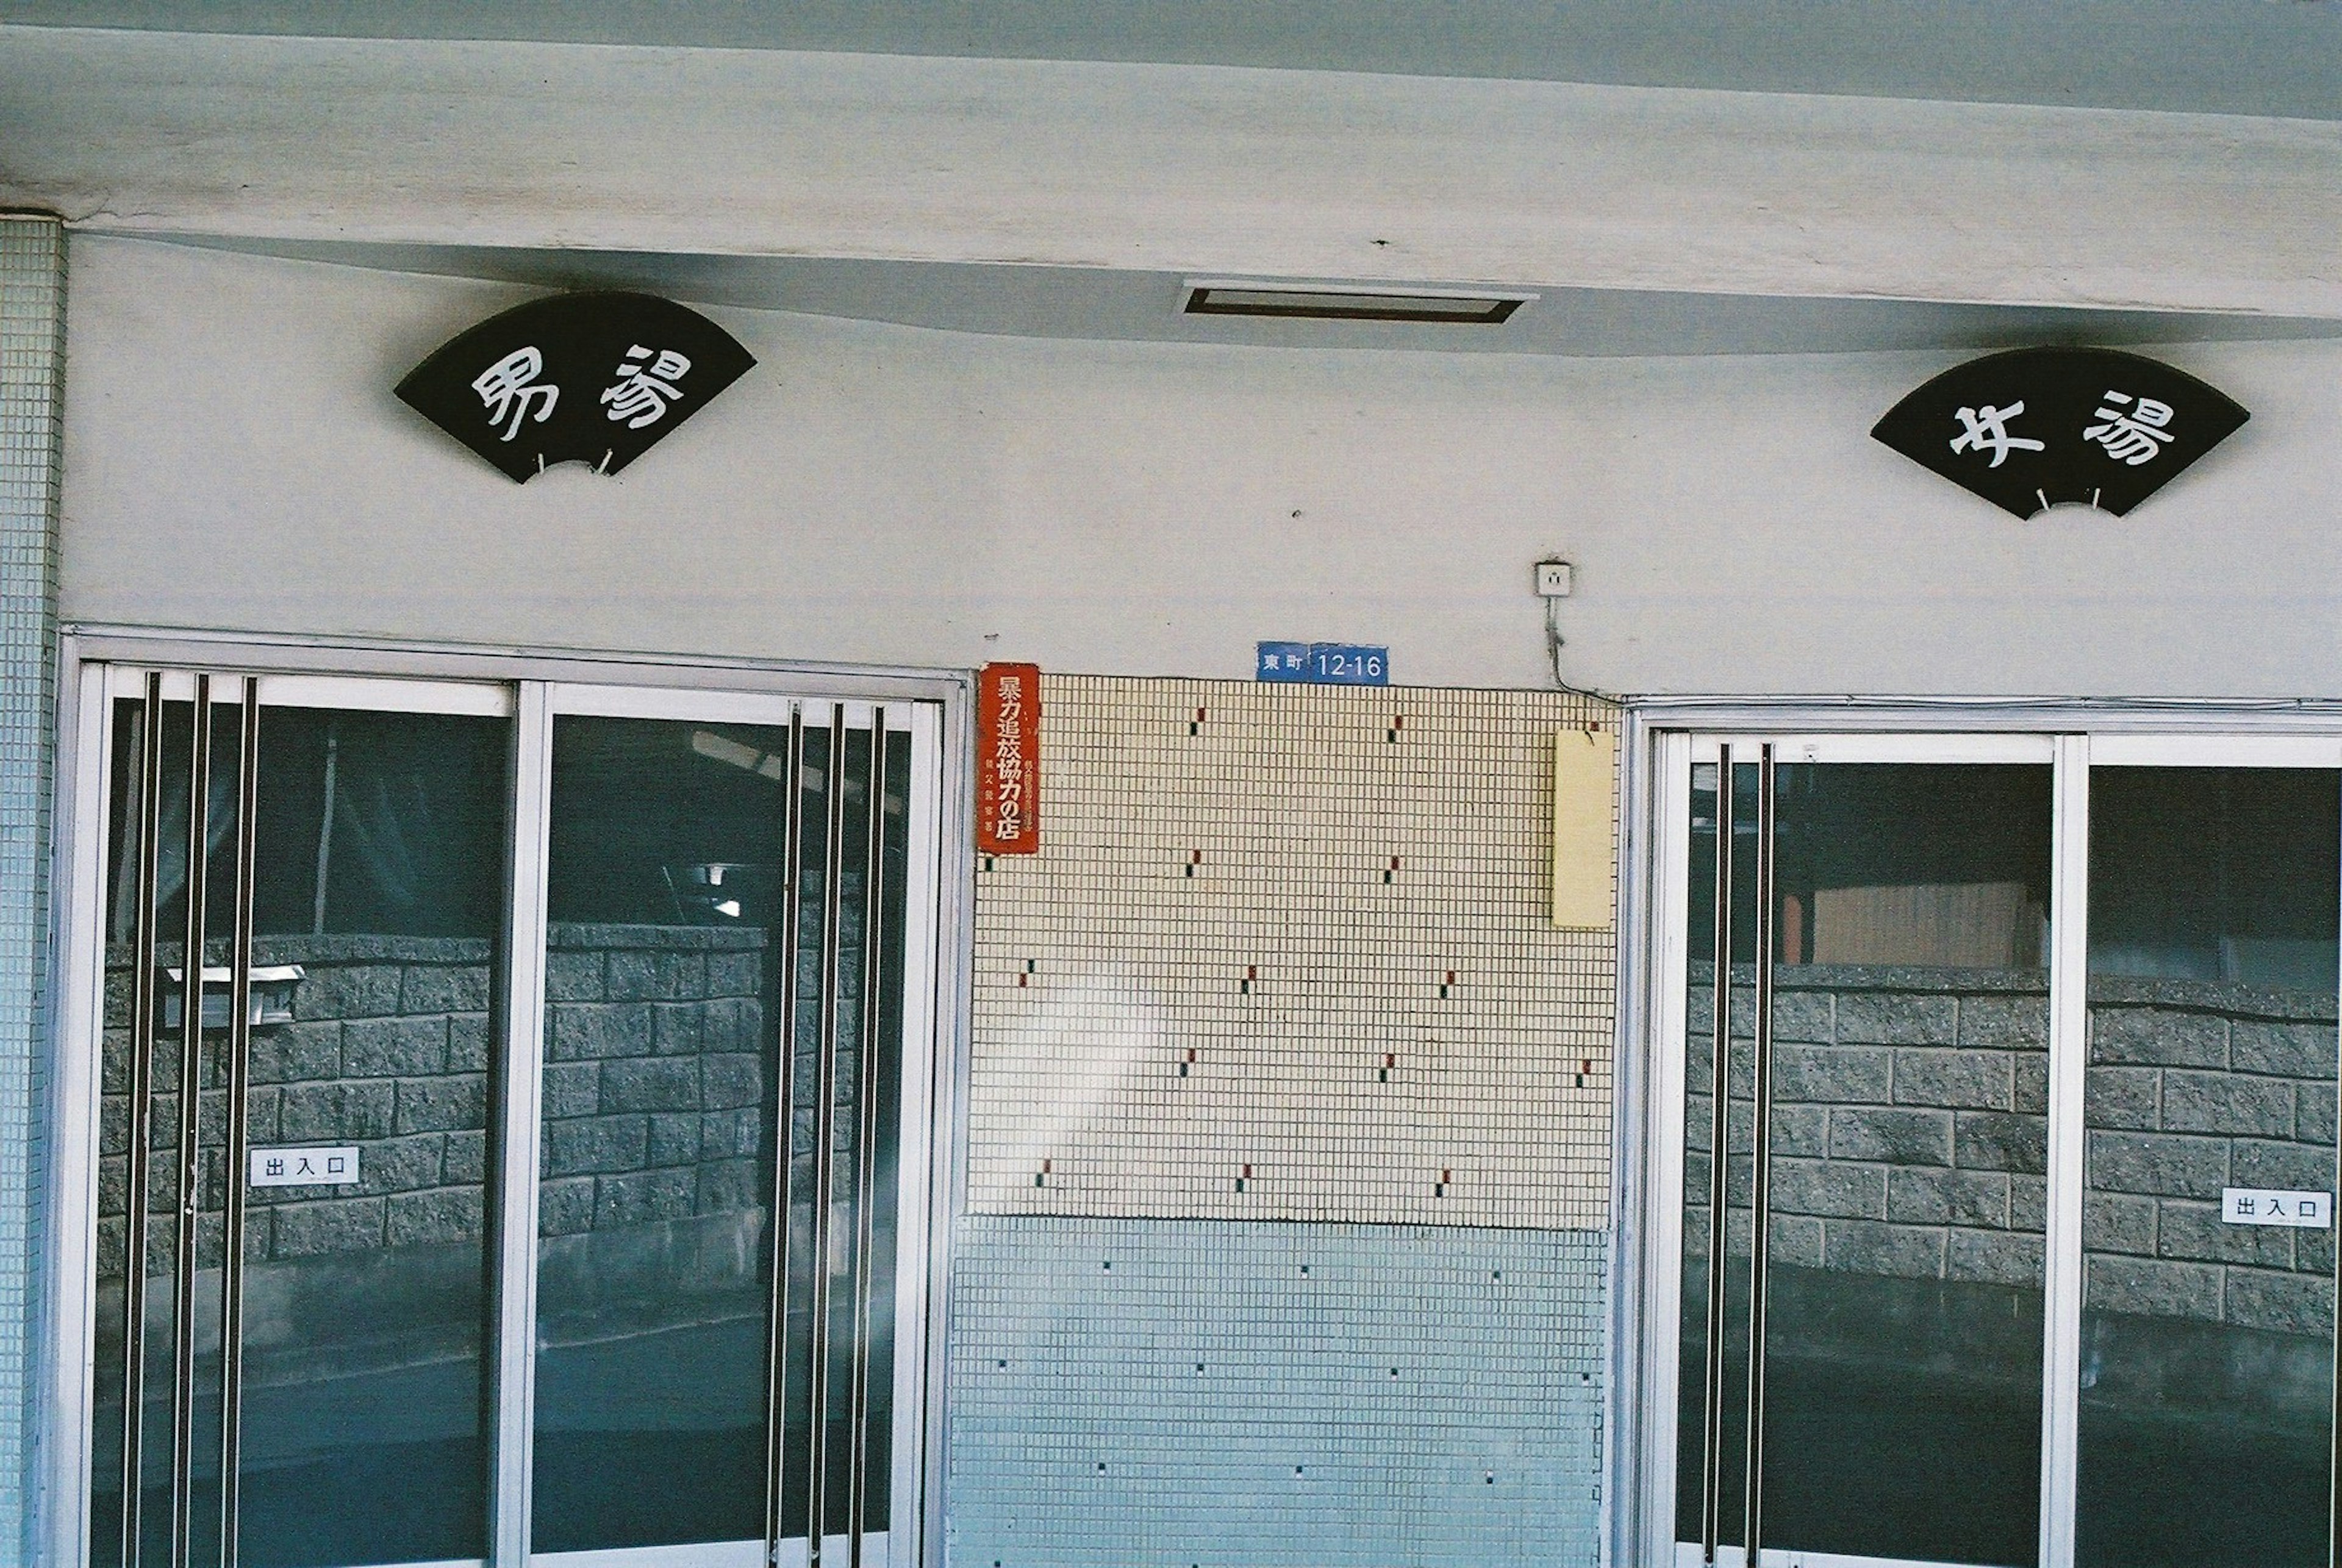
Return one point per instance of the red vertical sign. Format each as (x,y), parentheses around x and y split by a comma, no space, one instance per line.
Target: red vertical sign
(1008,759)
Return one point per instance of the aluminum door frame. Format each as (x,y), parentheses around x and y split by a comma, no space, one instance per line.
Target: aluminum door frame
(917,1298)
(397,676)
(1654,845)
(1660,1242)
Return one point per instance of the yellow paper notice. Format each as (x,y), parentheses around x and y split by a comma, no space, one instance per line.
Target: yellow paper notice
(1584,790)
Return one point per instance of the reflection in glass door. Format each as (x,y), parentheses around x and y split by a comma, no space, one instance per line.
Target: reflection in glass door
(2206,1365)
(722,1105)
(1867,1021)
(2009,1065)
(304,898)
(504,1116)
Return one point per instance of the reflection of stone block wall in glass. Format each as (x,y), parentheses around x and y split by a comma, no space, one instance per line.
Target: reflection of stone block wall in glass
(656,1129)
(653,1075)
(1910,1134)
(1909,1137)
(652,1089)
(2195,1085)
(388,1050)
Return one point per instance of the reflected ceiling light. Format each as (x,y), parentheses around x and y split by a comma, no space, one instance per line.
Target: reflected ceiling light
(1324,302)
(723,749)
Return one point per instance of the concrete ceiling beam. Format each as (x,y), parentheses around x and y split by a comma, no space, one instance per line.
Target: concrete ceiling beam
(1164,167)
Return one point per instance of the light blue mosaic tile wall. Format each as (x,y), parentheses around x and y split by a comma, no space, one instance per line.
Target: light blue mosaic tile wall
(1191,1392)
(31,360)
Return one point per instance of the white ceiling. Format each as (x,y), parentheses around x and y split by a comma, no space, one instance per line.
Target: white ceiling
(1111,304)
(1670,176)
(2263,57)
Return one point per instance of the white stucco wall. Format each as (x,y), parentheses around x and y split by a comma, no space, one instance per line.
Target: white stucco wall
(234,459)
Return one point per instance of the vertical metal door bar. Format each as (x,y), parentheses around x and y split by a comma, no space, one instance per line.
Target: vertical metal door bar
(1651,1268)
(1761,1132)
(520,1092)
(2068,961)
(1711,1496)
(776,1342)
(326,828)
(936,1007)
(866,1137)
(239,1079)
(190,1154)
(143,962)
(824,1093)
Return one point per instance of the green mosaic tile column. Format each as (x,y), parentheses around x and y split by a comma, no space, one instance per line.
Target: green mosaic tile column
(32,380)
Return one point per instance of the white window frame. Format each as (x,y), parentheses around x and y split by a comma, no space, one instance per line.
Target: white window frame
(99,664)
(1663,739)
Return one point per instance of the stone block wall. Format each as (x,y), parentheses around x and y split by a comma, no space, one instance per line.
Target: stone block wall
(388,1049)
(653,1089)
(2194,1086)
(654,1075)
(1910,1134)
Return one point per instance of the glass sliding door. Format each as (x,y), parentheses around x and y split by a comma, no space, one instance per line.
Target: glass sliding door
(2011,1065)
(504,1127)
(2206,1374)
(1861,1375)
(1901,1343)
(303,900)
(723,1103)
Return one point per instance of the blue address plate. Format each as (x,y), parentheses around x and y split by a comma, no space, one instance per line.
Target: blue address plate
(1323,664)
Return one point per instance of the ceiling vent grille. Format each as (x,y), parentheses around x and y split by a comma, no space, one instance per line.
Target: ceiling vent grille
(1327,302)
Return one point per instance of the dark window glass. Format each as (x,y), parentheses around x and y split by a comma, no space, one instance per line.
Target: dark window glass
(2207,1307)
(706,972)
(378,853)
(1900,1357)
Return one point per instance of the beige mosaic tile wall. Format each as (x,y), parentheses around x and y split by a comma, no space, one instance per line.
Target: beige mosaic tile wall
(1287,953)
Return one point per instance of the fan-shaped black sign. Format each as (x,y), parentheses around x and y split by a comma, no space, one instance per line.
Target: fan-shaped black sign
(2033,427)
(592,378)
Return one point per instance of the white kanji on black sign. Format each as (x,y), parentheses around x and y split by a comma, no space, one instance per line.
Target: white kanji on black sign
(642,393)
(1988,426)
(2035,428)
(591,378)
(511,385)
(2135,437)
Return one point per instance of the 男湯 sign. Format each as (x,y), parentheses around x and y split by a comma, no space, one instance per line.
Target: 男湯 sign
(591,378)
